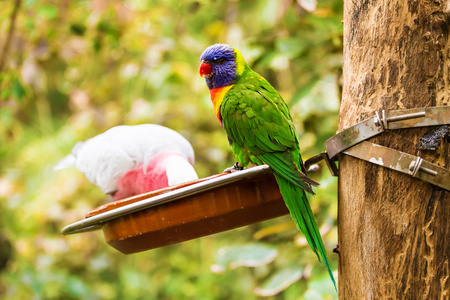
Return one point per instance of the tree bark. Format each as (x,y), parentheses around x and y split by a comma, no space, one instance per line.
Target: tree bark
(394,233)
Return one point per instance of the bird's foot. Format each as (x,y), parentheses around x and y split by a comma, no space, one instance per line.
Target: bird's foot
(236,167)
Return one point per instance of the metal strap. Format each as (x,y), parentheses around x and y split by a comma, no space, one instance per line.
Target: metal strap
(402,162)
(353,139)
(393,119)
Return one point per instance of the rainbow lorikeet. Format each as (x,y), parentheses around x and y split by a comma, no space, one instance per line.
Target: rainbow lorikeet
(261,131)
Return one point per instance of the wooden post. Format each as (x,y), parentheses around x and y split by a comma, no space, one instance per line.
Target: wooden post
(394,230)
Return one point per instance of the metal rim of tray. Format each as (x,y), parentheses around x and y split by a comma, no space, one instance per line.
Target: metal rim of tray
(96,222)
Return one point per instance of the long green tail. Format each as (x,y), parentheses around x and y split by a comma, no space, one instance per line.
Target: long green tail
(298,205)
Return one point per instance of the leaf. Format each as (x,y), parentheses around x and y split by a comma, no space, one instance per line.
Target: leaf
(250,255)
(274,229)
(48,11)
(77,288)
(17,89)
(318,96)
(304,90)
(292,46)
(320,287)
(279,281)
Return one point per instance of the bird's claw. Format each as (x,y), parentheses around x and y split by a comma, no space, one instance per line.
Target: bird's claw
(235,168)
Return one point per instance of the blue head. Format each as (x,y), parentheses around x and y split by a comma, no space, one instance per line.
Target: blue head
(218,66)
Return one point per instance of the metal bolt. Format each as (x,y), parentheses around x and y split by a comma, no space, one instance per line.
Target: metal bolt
(416,166)
(406,117)
(383,121)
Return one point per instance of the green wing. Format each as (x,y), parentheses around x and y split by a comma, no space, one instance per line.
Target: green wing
(260,128)
(254,116)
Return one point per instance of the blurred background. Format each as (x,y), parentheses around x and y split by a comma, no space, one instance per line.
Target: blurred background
(70,70)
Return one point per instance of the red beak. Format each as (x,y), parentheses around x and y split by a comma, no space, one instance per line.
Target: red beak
(205,70)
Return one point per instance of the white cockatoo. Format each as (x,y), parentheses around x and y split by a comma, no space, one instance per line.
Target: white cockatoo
(129,160)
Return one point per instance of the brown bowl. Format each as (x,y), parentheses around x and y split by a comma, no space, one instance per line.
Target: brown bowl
(228,205)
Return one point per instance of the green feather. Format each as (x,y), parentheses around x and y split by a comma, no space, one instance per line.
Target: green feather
(298,205)
(282,164)
(260,128)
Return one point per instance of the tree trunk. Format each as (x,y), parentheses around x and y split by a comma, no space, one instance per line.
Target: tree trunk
(394,233)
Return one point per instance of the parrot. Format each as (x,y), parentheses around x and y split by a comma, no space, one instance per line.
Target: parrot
(129,160)
(260,131)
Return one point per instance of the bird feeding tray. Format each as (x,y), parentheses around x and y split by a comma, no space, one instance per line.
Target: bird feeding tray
(186,211)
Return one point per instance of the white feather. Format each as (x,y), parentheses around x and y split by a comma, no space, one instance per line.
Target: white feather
(107,156)
(178,170)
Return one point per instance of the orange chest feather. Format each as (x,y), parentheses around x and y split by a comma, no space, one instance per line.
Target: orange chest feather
(217,98)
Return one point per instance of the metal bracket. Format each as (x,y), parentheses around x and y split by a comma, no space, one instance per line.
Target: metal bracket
(323,156)
(401,162)
(349,142)
(393,119)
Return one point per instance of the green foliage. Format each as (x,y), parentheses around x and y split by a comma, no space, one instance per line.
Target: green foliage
(74,69)
(249,255)
(279,281)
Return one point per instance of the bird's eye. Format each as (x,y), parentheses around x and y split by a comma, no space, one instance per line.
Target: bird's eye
(221,61)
